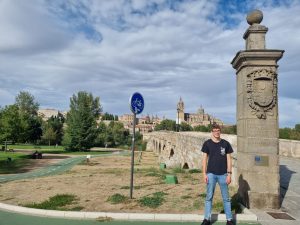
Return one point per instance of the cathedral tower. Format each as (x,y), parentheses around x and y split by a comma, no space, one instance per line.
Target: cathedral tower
(180,112)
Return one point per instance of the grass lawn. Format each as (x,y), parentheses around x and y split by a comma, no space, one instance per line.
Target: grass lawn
(15,165)
(52,149)
(35,147)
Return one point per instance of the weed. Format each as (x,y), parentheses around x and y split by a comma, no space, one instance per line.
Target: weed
(55,202)
(195,171)
(117,199)
(153,202)
(218,206)
(178,170)
(125,187)
(186,197)
(159,194)
(197,204)
(202,195)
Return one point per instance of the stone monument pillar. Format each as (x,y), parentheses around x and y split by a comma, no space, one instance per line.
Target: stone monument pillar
(257,118)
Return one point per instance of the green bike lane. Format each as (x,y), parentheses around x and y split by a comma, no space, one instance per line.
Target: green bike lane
(8,218)
(57,168)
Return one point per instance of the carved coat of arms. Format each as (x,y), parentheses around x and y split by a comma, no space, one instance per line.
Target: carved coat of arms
(262,92)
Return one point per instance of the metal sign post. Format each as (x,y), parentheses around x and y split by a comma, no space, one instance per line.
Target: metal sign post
(136,102)
(132,156)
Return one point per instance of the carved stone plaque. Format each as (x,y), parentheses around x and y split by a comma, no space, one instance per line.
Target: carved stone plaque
(262,92)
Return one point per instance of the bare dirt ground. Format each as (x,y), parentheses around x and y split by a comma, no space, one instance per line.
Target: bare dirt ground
(103,177)
(47,160)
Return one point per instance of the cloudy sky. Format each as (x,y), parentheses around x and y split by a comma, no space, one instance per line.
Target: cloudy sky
(163,49)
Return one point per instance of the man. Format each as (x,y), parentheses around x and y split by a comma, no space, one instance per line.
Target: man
(216,167)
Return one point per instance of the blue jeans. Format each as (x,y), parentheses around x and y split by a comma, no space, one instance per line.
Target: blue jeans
(210,190)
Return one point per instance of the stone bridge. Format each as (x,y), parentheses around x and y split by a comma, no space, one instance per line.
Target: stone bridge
(183,149)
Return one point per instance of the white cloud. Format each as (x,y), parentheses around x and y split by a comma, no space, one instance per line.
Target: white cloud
(28,28)
(162,53)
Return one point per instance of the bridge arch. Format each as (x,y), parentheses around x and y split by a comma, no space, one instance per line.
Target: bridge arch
(185,166)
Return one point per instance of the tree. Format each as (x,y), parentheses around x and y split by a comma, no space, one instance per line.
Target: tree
(108,116)
(185,127)
(112,135)
(102,135)
(30,122)
(27,104)
(166,125)
(57,123)
(297,127)
(229,129)
(120,134)
(10,123)
(82,129)
(49,135)
(284,133)
(201,128)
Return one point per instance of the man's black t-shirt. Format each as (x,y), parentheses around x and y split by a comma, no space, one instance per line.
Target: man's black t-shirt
(217,159)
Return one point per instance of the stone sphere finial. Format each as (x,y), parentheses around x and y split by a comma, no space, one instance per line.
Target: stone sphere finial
(256,16)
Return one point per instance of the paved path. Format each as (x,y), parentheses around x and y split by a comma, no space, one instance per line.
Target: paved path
(8,218)
(290,192)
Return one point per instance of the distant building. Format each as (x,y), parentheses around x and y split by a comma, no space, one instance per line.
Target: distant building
(47,113)
(126,118)
(144,124)
(195,119)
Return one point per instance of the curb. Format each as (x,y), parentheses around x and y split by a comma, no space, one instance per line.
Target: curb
(247,216)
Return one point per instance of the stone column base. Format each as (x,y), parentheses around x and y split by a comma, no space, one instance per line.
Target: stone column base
(264,200)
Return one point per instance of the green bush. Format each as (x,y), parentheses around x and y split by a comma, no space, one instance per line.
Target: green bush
(117,199)
(54,203)
(153,201)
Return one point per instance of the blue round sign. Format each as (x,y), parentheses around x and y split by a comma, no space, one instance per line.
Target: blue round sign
(136,102)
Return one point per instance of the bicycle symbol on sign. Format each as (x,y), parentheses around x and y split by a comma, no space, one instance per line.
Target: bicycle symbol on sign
(137,103)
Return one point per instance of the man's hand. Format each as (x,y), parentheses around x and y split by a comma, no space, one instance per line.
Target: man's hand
(228,179)
(205,178)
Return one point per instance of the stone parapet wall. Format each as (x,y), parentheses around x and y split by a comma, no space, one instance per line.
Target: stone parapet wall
(183,149)
(289,148)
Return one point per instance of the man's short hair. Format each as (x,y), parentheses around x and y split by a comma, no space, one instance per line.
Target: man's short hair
(215,126)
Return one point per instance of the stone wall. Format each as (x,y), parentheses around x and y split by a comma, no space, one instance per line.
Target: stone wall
(289,148)
(183,149)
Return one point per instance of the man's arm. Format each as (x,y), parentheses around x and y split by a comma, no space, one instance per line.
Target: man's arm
(204,167)
(229,168)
